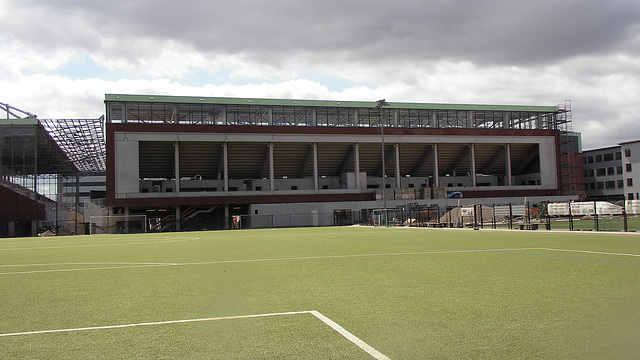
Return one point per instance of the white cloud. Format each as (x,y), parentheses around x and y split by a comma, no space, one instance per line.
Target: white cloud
(328,50)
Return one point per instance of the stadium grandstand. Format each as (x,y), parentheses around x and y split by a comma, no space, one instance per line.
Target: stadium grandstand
(192,163)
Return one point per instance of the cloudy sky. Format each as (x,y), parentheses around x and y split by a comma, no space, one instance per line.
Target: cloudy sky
(59,57)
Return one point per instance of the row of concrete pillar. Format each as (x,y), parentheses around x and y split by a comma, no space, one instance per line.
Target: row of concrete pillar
(430,153)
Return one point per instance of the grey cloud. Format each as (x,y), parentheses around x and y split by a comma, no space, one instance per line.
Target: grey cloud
(496,32)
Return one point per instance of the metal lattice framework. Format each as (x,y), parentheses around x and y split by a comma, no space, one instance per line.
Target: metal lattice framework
(82,140)
(14,112)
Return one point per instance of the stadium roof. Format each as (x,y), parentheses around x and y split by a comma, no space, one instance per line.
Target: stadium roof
(63,146)
(321,103)
(82,140)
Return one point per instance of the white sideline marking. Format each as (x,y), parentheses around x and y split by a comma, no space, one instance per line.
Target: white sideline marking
(260,260)
(86,263)
(145,265)
(87,269)
(349,336)
(102,245)
(590,252)
(342,331)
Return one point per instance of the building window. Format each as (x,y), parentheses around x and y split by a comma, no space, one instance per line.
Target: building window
(600,185)
(598,158)
(592,186)
(619,169)
(590,159)
(611,171)
(591,173)
(620,184)
(618,155)
(628,167)
(611,184)
(601,172)
(627,152)
(629,182)
(584,172)
(608,157)
(630,196)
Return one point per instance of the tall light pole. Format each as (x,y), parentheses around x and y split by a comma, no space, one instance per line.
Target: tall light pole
(379,105)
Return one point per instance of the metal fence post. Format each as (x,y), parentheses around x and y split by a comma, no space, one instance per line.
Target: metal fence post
(595,216)
(570,217)
(510,217)
(624,216)
(494,225)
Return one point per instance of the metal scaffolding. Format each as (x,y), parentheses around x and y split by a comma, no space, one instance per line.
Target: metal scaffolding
(36,158)
(567,152)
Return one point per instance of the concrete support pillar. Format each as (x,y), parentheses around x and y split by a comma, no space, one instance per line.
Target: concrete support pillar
(355,117)
(397,165)
(176,163)
(270,116)
(272,179)
(316,176)
(314,117)
(436,172)
(507,162)
(224,115)
(394,116)
(225,155)
(470,119)
(505,120)
(226,217)
(472,162)
(178,218)
(357,163)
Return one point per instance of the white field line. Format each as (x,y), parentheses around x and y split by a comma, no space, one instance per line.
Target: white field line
(75,239)
(220,262)
(342,331)
(349,336)
(590,252)
(122,326)
(88,269)
(102,245)
(159,241)
(85,263)
(258,260)
(53,239)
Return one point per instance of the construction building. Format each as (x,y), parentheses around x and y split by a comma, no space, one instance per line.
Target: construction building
(191,163)
(41,164)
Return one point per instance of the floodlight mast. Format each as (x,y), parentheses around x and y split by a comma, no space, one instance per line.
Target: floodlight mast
(379,105)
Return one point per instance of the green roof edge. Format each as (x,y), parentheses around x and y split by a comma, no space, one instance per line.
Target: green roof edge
(321,103)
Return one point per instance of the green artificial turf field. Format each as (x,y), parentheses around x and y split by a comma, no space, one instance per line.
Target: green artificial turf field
(401,293)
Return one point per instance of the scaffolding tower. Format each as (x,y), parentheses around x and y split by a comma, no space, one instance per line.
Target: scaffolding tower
(568,150)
